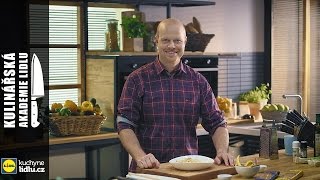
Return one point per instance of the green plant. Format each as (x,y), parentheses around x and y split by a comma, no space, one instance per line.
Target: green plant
(257,94)
(134,27)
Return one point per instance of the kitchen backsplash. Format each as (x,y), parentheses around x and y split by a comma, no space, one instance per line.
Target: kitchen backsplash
(240,73)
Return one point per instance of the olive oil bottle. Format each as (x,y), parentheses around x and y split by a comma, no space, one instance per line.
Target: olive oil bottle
(317,136)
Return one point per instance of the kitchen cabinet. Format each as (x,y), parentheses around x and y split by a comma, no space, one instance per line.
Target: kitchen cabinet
(98,156)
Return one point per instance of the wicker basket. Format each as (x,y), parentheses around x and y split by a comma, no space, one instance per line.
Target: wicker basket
(75,125)
(278,116)
(197,41)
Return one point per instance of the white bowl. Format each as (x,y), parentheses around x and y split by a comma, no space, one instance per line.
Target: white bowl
(224,176)
(262,168)
(191,162)
(247,171)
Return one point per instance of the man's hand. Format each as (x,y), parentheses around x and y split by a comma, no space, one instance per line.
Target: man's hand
(148,161)
(224,157)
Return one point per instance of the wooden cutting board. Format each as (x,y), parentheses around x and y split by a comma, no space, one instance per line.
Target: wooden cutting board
(239,121)
(166,169)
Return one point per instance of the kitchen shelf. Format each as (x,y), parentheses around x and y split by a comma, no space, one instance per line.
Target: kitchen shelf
(167,3)
(137,3)
(175,3)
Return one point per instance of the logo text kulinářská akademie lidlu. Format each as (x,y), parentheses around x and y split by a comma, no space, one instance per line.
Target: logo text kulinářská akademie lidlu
(8,85)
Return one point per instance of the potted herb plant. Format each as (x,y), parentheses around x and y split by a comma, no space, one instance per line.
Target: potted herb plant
(134,31)
(256,98)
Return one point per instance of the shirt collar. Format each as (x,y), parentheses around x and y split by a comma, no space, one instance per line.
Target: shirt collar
(159,67)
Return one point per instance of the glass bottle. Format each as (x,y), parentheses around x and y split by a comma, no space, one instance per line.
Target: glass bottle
(303,149)
(317,136)
(295,151)
(243,108)
(112,36)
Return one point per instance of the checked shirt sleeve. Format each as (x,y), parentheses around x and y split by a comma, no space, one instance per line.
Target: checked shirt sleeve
(212,117)
(129,106)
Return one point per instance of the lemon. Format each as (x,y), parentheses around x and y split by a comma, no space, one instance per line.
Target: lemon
(86,106)
(56,106)
(238,163)
(281,107)
(266,107)
(286,108)
(273,107)
(249,164)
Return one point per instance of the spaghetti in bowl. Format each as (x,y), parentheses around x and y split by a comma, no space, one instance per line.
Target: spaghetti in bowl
(191,162)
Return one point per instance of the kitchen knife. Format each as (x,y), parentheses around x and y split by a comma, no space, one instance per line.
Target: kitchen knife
(287,129)
(294,118)
(299,115)
(37,89)
(288,123)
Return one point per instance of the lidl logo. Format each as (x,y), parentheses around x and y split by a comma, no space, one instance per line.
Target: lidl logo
(8,165)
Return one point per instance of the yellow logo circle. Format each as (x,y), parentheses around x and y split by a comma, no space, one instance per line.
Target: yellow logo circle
(9,166)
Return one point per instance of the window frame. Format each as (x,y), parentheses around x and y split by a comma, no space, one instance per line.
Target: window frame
(82,49)
(80,55)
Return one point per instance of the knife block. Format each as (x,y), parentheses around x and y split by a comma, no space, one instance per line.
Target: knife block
(305,132)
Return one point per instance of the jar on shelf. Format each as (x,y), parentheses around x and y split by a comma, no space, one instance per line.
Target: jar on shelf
(112,36)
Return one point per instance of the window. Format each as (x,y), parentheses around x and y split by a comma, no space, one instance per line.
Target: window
(314,58)
(64,48)
(288,54)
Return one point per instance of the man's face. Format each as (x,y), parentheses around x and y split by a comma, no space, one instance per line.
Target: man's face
(171,42)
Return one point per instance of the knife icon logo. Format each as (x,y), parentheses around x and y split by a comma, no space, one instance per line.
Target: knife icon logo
(37,89)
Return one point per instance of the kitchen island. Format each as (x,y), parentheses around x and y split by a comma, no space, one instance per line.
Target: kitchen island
(81,153)
(283,164)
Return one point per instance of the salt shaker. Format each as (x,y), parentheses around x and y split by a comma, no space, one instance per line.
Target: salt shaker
(295,151)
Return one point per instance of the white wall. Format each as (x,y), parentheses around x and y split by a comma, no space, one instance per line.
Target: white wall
(238,25)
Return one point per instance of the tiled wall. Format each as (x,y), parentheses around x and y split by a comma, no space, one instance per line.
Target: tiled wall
(239,73)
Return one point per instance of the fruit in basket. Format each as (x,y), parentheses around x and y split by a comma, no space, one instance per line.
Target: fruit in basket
(224,104)
(65,112)
(280,107)
(55,107)
(87,113)
(93,101)
(266,107)
(70,105)
(286,108)
(97,110)
(79,109)
(86,106)
(275,107)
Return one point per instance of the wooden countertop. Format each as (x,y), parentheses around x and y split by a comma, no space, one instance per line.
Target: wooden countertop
(75,139)
(283,164)
(109,135)
(58,141)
